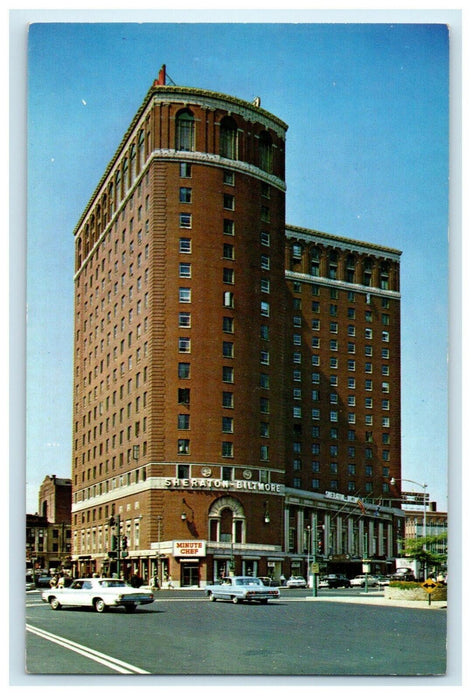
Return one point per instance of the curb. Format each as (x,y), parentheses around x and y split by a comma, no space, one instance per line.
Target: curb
(368,599)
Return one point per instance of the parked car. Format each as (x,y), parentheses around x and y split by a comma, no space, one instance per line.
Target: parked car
(383,580)
(296,582)
(337,581)
(403,574)
(360,581)
(43,581)
(266,580)
(98,593)
(241,588)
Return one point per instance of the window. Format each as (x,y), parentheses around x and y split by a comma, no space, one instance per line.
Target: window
(185,220)
(264,429)
(185,131)
(265,262)
(228,275)
(227,424)
(228,251)
(265,308)
(184,295)
(264,452)
(265,286)
(184,319)
(228,227)
(228,324)
(183,370)
(228,374)
(227,449)
(184,345)
(183,421)
(228,177)
(265,238)
(184,396)
(227,349)
(228,138)
(385,337)
(183,447)
(185,245)
(185,169)
(334,327)
(184,269)
(229,201)
(228,300)
(227,399)
(266,152)
(297,251)
(185,195)
(264,357)
(264,405)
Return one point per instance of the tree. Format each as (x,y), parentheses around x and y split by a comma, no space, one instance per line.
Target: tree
(422,549)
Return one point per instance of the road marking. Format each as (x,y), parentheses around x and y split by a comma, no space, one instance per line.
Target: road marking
(104,659)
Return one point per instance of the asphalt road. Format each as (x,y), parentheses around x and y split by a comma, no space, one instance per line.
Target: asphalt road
(182,633)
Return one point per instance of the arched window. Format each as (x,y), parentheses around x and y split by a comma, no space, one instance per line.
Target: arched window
(110,200)
(266,152)
(133,163)
(228,138)
(125,175)
(141,149)
(118,188)
(185,132)
(227,521)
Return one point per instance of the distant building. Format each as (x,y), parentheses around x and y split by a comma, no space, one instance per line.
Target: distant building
(436,524)
(48,533)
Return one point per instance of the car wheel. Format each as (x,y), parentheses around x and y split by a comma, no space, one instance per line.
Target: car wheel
(99,605)
(130,607)
(235,599)
(212,598)
(264,601)
(55,605)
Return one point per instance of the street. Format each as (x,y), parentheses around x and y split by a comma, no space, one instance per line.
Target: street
(182,633)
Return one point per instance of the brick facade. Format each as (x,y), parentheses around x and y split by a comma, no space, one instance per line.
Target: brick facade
(183,404)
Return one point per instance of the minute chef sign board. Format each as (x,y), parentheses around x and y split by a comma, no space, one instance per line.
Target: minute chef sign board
(193,548)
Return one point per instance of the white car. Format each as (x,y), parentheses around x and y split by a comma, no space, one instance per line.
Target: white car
(98,593)
(360,581)
(296,582)
(241,588)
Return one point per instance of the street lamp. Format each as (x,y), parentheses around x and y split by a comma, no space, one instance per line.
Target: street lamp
(422,486)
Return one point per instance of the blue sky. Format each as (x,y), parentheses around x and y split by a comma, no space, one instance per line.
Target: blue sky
(367,158)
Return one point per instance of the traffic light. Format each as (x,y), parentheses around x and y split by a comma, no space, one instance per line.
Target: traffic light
(114,543)
(124,542)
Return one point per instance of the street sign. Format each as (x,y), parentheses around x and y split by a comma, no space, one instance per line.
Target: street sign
(429,585)
(314,568)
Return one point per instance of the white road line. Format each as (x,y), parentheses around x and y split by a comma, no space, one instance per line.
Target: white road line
(104,659)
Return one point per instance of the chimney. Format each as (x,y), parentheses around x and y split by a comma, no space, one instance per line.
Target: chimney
(162,76)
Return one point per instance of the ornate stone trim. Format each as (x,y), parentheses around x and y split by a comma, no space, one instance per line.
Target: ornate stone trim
(215,160)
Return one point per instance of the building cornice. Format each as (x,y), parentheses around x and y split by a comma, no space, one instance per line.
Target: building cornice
(321,238)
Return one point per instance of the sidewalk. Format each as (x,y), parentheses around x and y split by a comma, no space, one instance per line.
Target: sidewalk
(378,599)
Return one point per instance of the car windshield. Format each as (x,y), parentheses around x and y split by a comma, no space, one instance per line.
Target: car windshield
(248,582)
(113,583)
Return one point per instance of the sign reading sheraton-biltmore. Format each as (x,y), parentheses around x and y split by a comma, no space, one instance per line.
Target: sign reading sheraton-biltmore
(237,484)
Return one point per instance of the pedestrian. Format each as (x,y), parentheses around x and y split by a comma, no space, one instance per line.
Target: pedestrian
(169,580)
(61,581)
(53,582)
(282,580)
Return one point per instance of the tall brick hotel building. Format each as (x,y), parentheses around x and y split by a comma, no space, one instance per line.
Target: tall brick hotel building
(236,380)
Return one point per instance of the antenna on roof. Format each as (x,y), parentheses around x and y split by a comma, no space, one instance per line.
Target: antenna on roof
(163,78)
